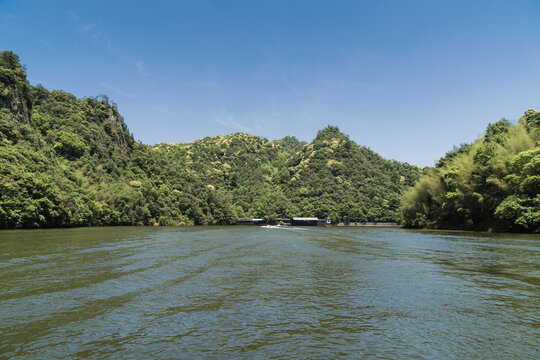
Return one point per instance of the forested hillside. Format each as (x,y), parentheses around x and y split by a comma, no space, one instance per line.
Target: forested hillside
(66,161)
(246,169)
(493,183)
(334,177)
(330,177)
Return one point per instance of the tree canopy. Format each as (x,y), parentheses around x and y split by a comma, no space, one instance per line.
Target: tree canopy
(66,161)
(493,183)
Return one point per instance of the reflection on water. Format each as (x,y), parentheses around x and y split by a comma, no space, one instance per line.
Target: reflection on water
(248,292)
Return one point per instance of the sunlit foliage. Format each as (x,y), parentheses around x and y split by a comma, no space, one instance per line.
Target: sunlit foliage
(66,161)
(493,183)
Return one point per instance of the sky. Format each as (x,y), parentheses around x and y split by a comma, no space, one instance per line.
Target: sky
(408,79)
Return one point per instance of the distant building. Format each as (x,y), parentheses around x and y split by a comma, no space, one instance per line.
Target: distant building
(295,221)
(283,221)
(251,222)
(307,221)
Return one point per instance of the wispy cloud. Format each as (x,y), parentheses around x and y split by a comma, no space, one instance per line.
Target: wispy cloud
(115,90)
(224,118)
(91,29)
(104,41)
(88,27)
(74,16)
(141,69)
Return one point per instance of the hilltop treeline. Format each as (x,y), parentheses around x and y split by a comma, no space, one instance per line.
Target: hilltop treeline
(493,183)
(66,161)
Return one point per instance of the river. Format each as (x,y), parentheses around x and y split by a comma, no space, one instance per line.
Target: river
(255,293)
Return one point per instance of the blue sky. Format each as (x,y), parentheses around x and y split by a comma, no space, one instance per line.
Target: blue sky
(409,79)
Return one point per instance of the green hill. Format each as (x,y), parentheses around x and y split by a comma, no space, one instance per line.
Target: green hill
(333,176)
(66,161)
(247,169)
(493,183)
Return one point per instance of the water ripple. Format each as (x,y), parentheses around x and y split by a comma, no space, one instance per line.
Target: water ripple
(247,292)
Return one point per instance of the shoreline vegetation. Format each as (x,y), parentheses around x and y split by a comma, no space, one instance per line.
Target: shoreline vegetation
(70,162)
(492,184)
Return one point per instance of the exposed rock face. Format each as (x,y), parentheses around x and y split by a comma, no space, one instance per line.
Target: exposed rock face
(14,88)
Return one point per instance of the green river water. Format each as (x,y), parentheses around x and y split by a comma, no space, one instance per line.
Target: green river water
(256,293)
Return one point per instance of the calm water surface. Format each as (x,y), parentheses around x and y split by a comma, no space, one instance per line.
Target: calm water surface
(249,292)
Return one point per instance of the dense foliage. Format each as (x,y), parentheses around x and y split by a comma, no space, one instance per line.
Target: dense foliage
(334,177)
(493,183)
(66,161)
(330,177)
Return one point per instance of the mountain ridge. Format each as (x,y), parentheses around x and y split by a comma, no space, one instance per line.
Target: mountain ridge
(66,161)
